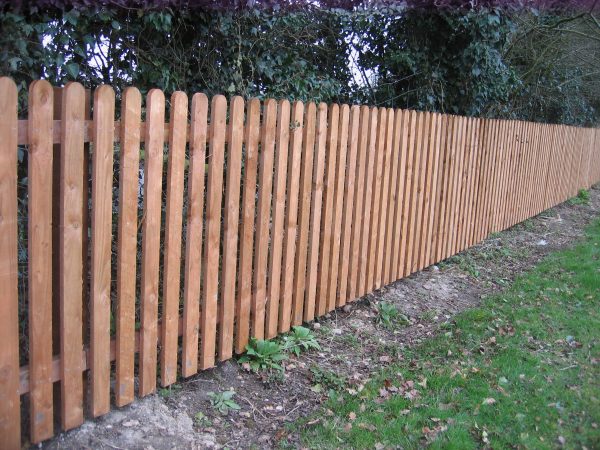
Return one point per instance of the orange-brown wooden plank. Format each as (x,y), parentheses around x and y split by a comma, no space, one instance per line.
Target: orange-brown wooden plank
(378,174)
(153,168)
(413,122)
(348,227)
(465,185)
(275,257)
(172,244)
(211,260)
(440,191)
(475,176)
(367,193)
(373,236)
(231,211)
(471,179)
(382,248)
(306,173)
(458,185)
(70,245)
(129,166)
(291,218)
(244,295)
(390,234)
(429,148)
(508,153)
(450,149)
(39,203)
(102,175)
(431,192)
(401,140)
(265,185)
(193,242)
(421,149)
(10,414)
(323,197)
(357,212)
(338,205)
(315,214)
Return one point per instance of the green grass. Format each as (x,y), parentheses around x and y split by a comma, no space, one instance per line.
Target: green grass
(521,371)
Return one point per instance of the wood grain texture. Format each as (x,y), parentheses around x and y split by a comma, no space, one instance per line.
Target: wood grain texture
(348,227)
(306,173)
(153,169)
(40,199)
(373,237)
(263,211)
(367,193)
(401,132)
(412,122)
(416,191)
(10,414)
(357,216)
(338,205)
(278,216)
(323,197)
(244,295)
(382,249)
(131,109)
(211,257)
(102,175)
(235,136)
(70,248)
(291,216)
(193,242)
(172,245)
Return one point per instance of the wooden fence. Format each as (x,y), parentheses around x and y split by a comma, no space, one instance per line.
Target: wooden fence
(268,215)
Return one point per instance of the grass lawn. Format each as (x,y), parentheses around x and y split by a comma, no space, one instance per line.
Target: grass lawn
(521,371)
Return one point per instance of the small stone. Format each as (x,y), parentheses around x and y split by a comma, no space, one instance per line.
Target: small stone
(131,423)
(542,242)
(435,268)
(347,308)
(316,326)
(337,331)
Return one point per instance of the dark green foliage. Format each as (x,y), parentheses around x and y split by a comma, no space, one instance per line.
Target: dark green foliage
(300,339)
(473,60)
(263,355)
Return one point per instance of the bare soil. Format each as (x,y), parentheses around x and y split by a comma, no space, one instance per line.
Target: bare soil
(353,346)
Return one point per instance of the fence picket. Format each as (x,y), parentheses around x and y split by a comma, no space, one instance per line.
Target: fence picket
(316,204)
(401,135)
(393,200)
(338,203)
(172,244)
(244,296)
(291,218)
(379,156)
(357,217)
(129,166)
(153,168)
(235,130)
(306,173)
(210,262)
(40,199)
(104,113)
(367,193)
(10,414)
(261,251)
(348,211)
(278,216)
(193,241)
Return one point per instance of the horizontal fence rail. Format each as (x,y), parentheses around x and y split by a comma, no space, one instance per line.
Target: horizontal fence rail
(161,235)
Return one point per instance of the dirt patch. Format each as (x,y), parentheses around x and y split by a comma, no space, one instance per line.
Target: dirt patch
(353,345)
